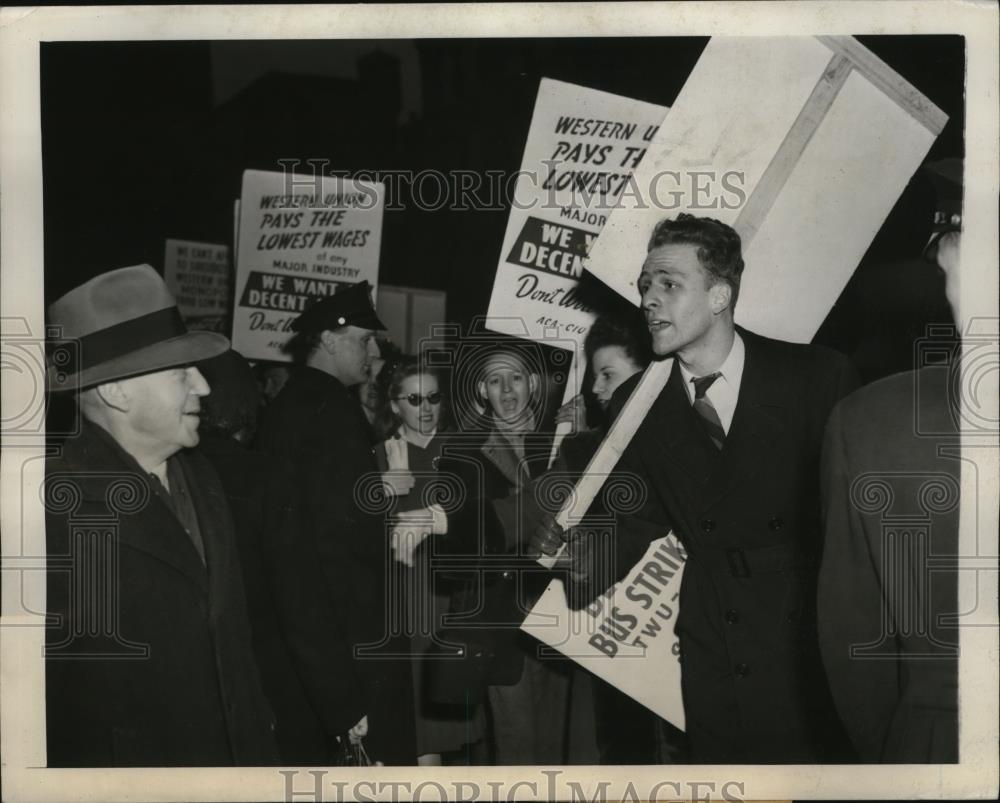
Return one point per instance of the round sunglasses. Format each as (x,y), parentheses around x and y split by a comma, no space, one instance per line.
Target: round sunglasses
(415,399)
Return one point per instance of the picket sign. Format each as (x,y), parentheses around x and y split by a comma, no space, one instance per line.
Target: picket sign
(297,239)
(197,274)
(581,148)
(627,631)
(803,145)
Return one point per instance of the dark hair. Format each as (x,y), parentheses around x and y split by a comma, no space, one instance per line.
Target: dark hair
(719,246)
(390,381)
(626,329)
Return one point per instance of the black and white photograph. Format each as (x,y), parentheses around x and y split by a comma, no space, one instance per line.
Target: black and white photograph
(500,402)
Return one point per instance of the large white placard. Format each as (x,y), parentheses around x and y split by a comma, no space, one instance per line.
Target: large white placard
(582,146)
(299,238)
(803,145)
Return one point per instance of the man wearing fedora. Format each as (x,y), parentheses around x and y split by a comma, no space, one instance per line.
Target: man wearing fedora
(330,547)
(148,652)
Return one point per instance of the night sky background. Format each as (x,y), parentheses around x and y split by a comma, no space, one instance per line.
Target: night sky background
(146,141)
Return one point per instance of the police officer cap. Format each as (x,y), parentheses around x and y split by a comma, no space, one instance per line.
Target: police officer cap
(349,306)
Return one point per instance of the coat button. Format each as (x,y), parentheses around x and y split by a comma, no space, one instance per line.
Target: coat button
(506,575)
(707,525)
(742,670)
(775,523)
(732,616)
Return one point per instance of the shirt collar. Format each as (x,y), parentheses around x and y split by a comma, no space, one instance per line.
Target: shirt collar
(401,434)
(731,368)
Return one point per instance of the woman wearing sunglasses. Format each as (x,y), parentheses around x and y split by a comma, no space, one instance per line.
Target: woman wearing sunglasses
(410,426)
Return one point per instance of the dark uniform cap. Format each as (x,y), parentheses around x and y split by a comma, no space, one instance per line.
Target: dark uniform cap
(348,306)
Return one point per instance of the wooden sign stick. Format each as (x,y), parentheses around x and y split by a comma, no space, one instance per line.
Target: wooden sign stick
(572,390)
(653,380)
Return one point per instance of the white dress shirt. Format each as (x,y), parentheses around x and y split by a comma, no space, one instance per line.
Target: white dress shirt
(724,391)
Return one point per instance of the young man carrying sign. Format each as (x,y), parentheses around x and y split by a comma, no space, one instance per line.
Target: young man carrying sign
(729,454)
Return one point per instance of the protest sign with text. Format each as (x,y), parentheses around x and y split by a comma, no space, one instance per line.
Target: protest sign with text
(300,237)
(582,146)
(625,636)
(198,276)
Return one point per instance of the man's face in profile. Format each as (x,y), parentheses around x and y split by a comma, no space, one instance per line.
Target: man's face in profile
(164,406)
(354,351)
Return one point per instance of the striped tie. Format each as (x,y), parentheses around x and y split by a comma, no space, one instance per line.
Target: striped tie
(704,407)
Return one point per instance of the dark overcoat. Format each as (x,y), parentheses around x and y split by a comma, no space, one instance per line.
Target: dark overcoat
(888,587)
(245,475)
(330,558)
(749,518)
(495,583)
(149,658)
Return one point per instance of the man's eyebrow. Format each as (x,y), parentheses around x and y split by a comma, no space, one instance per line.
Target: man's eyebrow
(669,271)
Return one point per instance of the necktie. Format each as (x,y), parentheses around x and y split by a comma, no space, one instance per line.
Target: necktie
(181,507)
(705,408)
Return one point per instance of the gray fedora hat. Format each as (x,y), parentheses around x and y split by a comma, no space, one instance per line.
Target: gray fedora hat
(125,323)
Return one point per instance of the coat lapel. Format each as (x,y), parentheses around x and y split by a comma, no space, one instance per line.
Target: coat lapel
(212,509)
(502,455)
(111,481)
(758,421)
(684,442)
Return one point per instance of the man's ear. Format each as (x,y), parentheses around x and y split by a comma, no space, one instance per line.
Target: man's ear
(533,383)
(328,340)
(481,390)
(721,297)
(115,395)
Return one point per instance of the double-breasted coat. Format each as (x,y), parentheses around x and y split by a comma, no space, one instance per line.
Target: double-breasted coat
(749,518)
(149,658)
(330,560)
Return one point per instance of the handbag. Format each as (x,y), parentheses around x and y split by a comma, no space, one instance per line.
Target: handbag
(466,658)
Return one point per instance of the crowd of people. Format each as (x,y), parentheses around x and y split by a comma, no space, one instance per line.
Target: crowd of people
(337,556)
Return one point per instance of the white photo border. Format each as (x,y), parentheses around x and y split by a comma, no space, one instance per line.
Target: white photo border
(22,699)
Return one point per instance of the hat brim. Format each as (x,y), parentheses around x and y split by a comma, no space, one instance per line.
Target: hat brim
(371,322)
(182,350)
